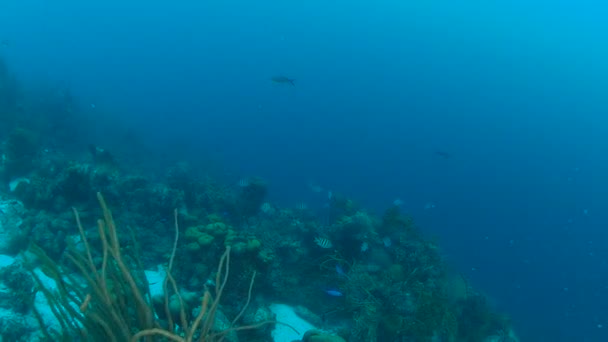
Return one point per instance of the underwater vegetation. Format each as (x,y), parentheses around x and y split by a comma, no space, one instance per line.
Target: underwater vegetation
(116,304)
(220,254)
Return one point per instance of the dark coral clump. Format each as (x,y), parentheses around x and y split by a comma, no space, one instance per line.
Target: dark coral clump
(251,197)
(18,280)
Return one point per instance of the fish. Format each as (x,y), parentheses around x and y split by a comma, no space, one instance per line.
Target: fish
(323,242)
(443,154)
(283,80)
(334,293)
(341,272)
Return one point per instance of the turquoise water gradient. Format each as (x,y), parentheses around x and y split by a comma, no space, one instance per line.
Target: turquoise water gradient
(516,92)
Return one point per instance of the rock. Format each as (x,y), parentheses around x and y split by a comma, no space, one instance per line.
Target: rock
(221,323)
(17,322)
(319,336)
(16,288)
(11,213)
(308,315)
(258,315)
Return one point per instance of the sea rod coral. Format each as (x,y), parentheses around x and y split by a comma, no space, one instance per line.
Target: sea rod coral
(114,304)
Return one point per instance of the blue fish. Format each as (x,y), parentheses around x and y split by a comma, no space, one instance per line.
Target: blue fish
(334,293)
(340,270)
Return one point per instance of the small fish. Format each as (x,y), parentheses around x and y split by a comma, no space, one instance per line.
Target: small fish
(340,270)
(397,202)
(323,242)
(334,293)
(283,80)
(364,247)
(443,154)
(301,206)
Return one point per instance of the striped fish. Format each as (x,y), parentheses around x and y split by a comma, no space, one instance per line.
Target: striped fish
(323,242)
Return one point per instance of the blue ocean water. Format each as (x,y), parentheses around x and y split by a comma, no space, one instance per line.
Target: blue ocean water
(488,120)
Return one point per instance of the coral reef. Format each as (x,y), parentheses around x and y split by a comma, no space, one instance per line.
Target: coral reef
(361,277)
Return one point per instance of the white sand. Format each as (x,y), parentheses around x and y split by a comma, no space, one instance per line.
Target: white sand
(285,314)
